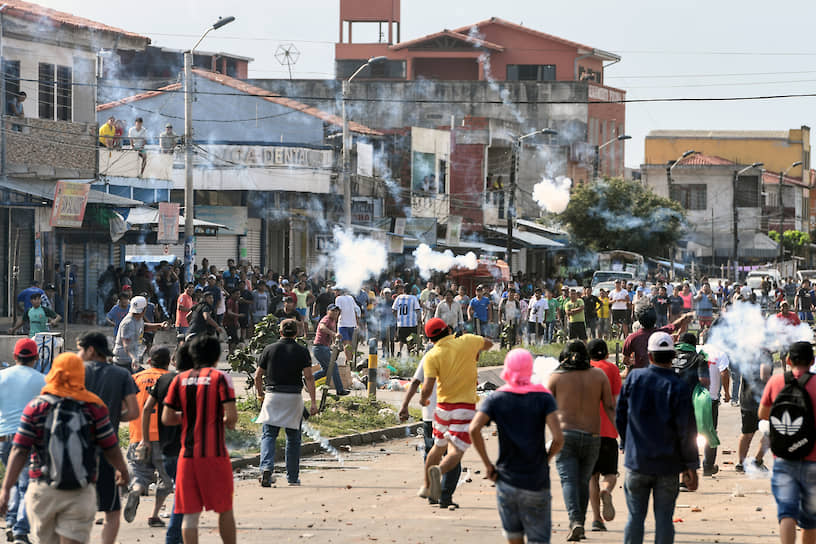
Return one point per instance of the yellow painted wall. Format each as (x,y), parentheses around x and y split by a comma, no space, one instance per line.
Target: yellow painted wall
(777,154)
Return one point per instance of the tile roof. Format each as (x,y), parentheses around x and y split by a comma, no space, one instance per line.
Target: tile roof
(34,12)
(698,159)
(772,178)
(719,134)
(497,21)
(476,42)
(253,90)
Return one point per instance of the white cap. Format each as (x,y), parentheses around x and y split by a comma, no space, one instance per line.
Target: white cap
(138,305)
(660,341)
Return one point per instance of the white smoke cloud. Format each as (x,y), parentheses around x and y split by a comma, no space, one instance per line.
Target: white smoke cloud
(553,195)
(428,260)
(543,367)
(356,259)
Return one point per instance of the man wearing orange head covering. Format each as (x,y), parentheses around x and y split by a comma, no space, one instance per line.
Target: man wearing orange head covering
(61,498)
(522,411)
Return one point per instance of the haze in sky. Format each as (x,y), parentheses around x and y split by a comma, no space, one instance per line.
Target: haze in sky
(691,49)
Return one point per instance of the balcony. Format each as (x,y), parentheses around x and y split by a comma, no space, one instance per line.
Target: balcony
(128,163)
(430,205)
(54,149)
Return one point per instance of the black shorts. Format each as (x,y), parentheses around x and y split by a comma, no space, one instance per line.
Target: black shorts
(750,421)
(107,492)
(243,322)
(620,316)
(577,330)
(404,332)
(607,462)
(232,333)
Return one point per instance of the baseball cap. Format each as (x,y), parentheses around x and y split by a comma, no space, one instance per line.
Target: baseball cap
(95,340)
(660,341)
(138,305)
(211,277)
(289,327)
(284,282)
(331,307)
(127,288)
(168,125)
(25,347)
(801,351)
(435,326)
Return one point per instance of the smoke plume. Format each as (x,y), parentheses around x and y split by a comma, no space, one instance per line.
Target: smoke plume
(356,259)
(553,195)
(428,260)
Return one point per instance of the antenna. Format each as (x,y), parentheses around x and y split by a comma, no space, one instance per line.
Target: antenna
(287,54)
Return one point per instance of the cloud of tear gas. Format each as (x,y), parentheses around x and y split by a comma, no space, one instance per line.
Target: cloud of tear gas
(553,195)
(484,59)
(742,332)
(356,259)
(543,367)
(428,260)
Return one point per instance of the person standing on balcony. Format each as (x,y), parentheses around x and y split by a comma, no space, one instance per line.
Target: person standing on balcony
(168,139)
(107,133)
(138,138)
(14,108)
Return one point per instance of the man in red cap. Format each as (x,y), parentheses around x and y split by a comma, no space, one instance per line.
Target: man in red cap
(19,385)
(451,366)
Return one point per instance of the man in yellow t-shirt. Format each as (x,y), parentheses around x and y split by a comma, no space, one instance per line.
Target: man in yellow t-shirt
(107,133)
(451,366)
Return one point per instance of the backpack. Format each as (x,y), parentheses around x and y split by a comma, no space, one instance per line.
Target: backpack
(70,457)
(793,434)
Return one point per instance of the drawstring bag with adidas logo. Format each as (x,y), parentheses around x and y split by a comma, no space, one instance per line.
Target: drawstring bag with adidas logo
(70,451)
(793,433)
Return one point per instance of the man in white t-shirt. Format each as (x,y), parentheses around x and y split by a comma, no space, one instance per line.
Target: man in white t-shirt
(620,306)
(349,321)
(535,315)
(138,139)
(717,368)
(449,479)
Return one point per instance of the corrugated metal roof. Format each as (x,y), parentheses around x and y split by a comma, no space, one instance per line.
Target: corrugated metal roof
(529,239)
(37,13)
(46,189)
(720,134)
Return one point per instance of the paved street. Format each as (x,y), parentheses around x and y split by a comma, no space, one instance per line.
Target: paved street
(371,497)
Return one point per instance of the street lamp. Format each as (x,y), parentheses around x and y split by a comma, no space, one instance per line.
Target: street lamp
(735,214)
(511,198)
(347,143)
(781,208)
(670,166)
(597,162)
(189,190)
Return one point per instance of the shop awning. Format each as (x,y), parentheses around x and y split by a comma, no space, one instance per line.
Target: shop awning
(46,189)
(473,245)
(150,216)
(526,238)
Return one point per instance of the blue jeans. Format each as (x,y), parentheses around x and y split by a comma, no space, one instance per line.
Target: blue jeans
(323,356)
(449,479)
(174,527)
(793,485)
(16,517)
(575,463)
(735,381)
(524,512)
(637,489)
(549,328)
(270,434)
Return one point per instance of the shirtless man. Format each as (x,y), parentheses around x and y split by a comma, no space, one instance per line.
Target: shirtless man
(579,389)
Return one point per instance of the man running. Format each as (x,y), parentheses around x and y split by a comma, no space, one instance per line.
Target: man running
(406,311)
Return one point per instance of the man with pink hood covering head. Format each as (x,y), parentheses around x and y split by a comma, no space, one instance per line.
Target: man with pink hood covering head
(522,411)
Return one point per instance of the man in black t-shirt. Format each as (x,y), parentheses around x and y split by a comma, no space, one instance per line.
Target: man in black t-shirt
(201,317)
(289,312)
(661,305)
(590,312)
(282,368)
(675,304)
(321,303)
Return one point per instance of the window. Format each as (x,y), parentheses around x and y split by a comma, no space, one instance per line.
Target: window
(531,72)
(691,197)
(11,69)
(55,94)
(747,195)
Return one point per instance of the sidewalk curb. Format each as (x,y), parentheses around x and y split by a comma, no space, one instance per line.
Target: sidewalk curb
(359,439)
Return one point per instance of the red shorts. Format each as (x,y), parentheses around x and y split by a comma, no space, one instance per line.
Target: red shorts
(451,423)
(203,483)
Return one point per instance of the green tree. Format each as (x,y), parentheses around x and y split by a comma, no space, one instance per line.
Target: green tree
(620,214)
(793,240)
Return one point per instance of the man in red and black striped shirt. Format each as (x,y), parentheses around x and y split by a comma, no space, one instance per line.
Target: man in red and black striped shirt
(202,400)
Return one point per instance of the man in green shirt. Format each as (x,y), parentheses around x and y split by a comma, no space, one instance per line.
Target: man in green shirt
(562,300)
(551,316)
(39,317)
(574,310)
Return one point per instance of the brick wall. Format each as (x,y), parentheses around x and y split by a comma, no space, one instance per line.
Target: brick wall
(38,146)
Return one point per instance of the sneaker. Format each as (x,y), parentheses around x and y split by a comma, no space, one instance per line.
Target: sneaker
(343,393)
(607,508)
(711,471)
(734,404)
(435,477)
(155,522)
(739,468)
(598,526)
(131,505)
(21,539)
(448,505)
(576,533)
(296,483)
(9,536)
(683,487)
(267,478)
(424,493)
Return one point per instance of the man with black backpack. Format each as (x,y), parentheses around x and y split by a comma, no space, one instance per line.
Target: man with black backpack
(788,401)
(69,420)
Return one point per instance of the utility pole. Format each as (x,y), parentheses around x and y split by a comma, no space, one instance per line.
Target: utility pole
(511,198)
(189,189)
(735,220)
(346,160)
(713,255)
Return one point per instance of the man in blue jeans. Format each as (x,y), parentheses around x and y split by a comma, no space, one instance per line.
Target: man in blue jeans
(325,334)
(658,433)
(19,385)
(579,389)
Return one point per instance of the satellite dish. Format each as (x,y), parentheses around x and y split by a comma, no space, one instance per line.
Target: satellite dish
(287,54)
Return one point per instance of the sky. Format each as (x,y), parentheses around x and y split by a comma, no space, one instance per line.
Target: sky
(693,49)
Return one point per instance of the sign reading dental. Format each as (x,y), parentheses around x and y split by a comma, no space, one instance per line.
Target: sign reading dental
(268,156)
(70,199)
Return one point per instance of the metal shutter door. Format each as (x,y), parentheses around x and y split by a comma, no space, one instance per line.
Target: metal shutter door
(253,242)
(75,253)
(217,249)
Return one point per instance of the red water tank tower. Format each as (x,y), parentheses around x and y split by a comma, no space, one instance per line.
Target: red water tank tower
(386,13)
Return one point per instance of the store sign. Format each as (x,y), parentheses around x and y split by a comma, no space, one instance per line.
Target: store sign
(70,199)
(257,155)
(363,210)
(168,228)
